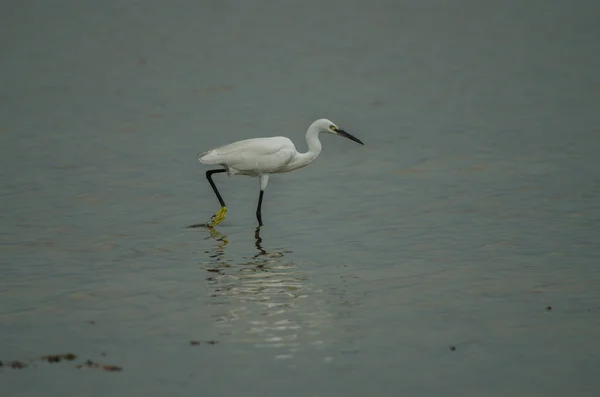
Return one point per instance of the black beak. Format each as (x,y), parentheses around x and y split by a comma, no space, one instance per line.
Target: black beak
(349,136)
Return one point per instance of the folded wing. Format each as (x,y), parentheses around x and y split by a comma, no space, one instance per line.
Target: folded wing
(252,156)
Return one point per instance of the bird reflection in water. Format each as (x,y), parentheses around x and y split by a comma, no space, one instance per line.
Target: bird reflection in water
(264,299)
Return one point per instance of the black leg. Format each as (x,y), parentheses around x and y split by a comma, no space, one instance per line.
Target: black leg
(209,177)
(222,213)
(258,214)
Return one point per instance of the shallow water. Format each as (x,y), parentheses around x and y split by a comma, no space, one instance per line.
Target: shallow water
(454,254)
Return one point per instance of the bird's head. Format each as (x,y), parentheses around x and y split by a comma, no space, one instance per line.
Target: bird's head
(325,125)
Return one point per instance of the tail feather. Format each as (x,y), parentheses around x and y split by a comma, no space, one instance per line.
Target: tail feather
(202,156)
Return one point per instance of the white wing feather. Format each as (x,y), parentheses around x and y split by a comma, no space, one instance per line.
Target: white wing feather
(252,156)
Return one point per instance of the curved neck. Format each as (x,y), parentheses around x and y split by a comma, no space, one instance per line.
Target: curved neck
(314,149)
(313,143)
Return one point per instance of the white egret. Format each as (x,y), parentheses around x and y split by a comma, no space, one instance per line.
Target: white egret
(260,157)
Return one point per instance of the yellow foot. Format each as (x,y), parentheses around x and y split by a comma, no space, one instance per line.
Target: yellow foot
(218,217)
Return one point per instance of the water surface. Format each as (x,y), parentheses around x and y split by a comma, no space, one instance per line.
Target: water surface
(454,254)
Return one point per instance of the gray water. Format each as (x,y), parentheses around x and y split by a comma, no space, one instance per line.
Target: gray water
(455,254)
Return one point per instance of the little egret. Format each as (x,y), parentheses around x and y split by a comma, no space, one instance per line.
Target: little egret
(260,157)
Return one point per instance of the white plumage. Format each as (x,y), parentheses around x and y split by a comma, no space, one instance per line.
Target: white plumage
(252,157)
(260,157)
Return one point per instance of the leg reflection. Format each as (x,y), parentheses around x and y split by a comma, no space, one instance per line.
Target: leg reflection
(218,252)
(263,299)
(257,243)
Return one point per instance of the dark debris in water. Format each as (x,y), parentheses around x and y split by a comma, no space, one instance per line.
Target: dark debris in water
(453,348)
(16,364)
(208,342)
(548,308)
(104,367)
(57,358)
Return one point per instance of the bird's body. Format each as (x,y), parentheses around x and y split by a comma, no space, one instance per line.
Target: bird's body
(253,157)
(260,157)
